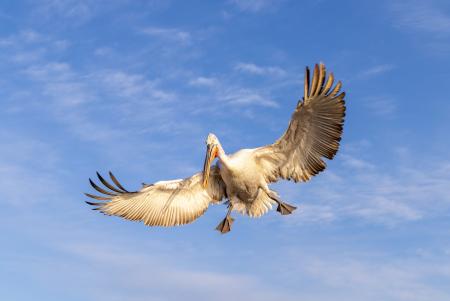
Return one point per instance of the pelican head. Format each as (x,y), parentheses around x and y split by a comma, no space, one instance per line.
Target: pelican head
(212,150)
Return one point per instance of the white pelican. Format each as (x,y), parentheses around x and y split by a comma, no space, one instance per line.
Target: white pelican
(242,178)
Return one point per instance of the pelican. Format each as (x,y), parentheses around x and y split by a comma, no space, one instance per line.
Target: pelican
(241,179)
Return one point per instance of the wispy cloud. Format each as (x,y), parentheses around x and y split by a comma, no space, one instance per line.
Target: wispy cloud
(259,70)
(371,276)
(123,273)
(103,51)
(69,96)
(421,16)
(203,81)
(27,164)
(133,85)
(381,105)
(31,36)
(23,57)
(81,94)
(169,34)
(247,97)
(361,189)
(104,105)
(60,83)
(28,46)
(255,6)
(427,21)
(23,37)
(376,70)
(317,213)
(356,163)
(78,12)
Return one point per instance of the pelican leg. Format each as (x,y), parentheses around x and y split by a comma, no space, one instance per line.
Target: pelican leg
(283,208)
(225,224)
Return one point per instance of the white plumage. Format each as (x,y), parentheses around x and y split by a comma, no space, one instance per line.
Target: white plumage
(242,178)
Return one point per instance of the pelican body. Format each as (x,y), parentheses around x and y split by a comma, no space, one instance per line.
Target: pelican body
(242,178)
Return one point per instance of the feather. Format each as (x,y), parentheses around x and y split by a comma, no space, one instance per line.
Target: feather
(113,178)
(107,184)
(100,198)
(165,203)
(313,134)
(315,81)
(306,85)
(101,190)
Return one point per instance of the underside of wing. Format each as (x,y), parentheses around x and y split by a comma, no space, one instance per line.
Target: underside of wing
(165,203)
(313,134)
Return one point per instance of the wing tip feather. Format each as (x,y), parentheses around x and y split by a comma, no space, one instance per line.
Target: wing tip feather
(326,145)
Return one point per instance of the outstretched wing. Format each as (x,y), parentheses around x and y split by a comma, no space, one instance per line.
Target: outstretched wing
(313,133)
(165,203)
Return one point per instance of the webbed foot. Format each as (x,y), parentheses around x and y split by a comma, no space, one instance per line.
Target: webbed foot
(285,208)
(225,225)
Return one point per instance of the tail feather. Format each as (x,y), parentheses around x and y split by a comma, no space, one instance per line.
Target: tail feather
(258,207)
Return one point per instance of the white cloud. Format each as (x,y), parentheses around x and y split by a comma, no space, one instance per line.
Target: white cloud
(133,85)
(361,189)
(67,95)
(423,16)
(203,81)
(121,272)
(247,97)
(75,11)
(371,276)
(259,70)
(49,71)
(29,46)
(356,163)
(103,51)
(381,105)
(97,105)
(30,56)
(23,38)
(28,169)
(30,36)
(255,6)
(376,70)
(110,106)
(170,34)
(60,83)
(61,44)
(317,213)
(428,22)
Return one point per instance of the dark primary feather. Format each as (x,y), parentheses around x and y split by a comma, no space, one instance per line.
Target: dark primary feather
(313,134)
(101,190)
(165,203)
(113,178)
(105,192)
(109,185)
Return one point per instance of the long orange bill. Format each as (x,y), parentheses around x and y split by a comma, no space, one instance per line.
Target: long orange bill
(211,153)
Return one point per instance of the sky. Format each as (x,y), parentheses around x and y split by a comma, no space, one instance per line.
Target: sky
(136,86)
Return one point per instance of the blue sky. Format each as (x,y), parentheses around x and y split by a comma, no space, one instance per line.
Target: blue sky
(136,86)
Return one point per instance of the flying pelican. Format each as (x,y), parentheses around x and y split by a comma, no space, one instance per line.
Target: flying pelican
(242,178)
